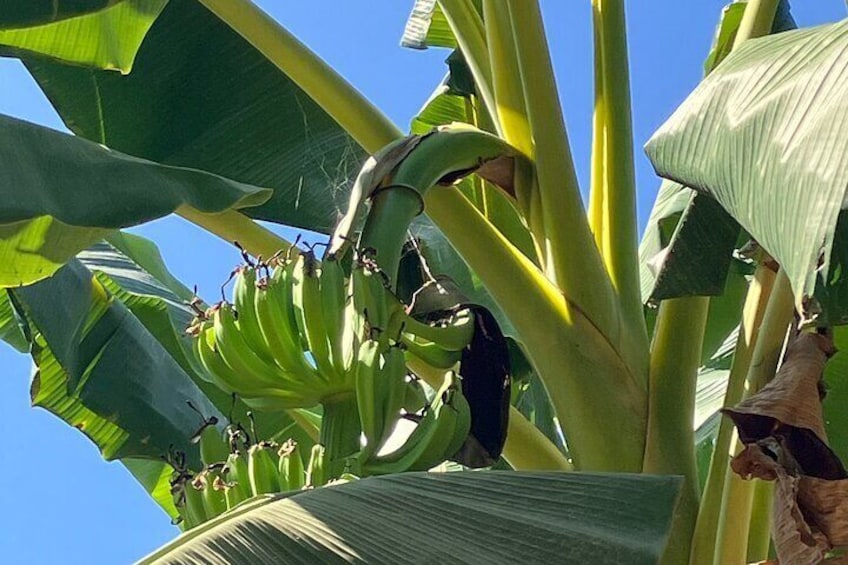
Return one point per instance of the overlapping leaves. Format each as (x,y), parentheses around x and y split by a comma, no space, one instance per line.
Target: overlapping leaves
(61,194)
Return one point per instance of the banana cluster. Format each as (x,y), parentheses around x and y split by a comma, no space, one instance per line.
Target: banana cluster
(440,431)
(234,471)
(277,345)
(300,332)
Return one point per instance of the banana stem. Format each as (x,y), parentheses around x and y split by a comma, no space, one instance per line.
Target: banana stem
(512,114)
(233,226)
(584,373)
(613,189)
(510,107)
(735,515)
(759,534)
(436,156)
(340,433)
(669,450)
(574,261)
(757,21)
(703,540)
(528,449)
(467,27)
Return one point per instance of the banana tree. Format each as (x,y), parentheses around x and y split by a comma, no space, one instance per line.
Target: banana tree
(627,352)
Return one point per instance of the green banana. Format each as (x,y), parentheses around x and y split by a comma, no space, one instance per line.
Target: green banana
(370,297)
(333,301)
(236,475)
(437,436)
(292,472)
(315,476)
(262,468)
(262,385)
(306,298)
(213,448)
(244,293)
(214,500)
(393,382)
(276,321)
(253,372)
(218,372)
(414,395)
(195,513)
(430,352)
(454,335)
(258,396)
(369,394)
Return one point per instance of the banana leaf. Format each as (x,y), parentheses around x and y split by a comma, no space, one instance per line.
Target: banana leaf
(764,134)
(35,12)
(694,257)
(206,99)
(466,517)
(104,325)
(62,194)
(107,33)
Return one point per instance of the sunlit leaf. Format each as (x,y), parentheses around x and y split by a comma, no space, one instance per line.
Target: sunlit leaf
(106,39)
(470,517)
(765,135)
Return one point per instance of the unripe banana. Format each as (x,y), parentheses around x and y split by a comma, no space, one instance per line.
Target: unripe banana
(252,371)
(306,299)
(369,395)
(394,385)
(262,468)
(315,476)
(370,297)
(454,335)
(244,293)
(274,314)
(333,300)
(214,500)
(237,478)
(435,439)
(292,472)
(178,496)
(213,448)
(195,511)
(430,352)
(414,396)
(262,385)
(218,372)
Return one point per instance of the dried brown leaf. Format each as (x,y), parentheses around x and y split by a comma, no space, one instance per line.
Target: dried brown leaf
(792,397)
(825,504)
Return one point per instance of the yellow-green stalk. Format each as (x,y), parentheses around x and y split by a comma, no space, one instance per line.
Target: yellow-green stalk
(670,445)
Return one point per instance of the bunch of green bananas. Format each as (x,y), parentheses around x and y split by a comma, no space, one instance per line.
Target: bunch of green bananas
(277,345)
(234,471)
(309,333)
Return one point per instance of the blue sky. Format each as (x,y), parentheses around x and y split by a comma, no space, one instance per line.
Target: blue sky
(63,503)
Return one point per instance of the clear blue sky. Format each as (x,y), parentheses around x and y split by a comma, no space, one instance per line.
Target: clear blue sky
(62,503)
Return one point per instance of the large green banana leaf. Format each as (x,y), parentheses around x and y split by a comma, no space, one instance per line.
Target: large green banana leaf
(61,194)
(38,12)
(470,517)
(765,135)
(104,38)
(113,360)
(80,339)
(689,239)
(201,96)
